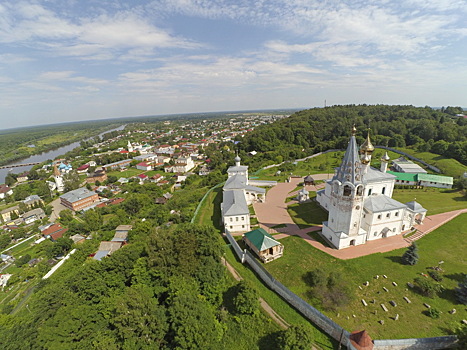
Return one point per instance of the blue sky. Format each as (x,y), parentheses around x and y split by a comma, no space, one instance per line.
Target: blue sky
(69,60)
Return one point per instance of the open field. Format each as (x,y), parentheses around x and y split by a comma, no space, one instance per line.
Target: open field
(431,198)
(440,245)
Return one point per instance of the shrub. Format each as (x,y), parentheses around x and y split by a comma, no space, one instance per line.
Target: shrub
(427,288)
(436,275)
(434,313)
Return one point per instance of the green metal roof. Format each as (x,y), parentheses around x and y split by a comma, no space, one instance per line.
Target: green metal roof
(423,177)
(404,176)
(261,239)
(436,178)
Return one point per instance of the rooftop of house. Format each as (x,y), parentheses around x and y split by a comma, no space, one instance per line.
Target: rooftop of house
(261,239)
(77,195)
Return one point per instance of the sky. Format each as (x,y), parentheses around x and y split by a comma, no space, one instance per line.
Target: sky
(71,60)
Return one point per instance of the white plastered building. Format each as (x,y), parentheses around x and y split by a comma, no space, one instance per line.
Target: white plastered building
(237,195)
(359,201)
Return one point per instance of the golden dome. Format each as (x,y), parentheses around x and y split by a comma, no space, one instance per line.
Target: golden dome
(354,130)
(367,146)
(366,159)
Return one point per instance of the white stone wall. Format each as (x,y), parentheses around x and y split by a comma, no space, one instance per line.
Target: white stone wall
(237,223)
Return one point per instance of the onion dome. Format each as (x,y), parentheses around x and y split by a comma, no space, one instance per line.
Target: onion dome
(367,146)
(366,158)
(237,159)
(385,158)
(354,130)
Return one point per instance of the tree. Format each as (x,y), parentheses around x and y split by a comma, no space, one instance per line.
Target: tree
(410,256)
(246,301)
(23,260)
(294,338)
(461,291)
(5,239)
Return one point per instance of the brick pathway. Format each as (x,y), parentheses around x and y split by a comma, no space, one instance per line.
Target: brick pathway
(274,212)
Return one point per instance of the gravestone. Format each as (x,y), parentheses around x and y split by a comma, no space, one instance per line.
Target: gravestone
(410,285)
(364,302)
(381,321)
(426,305)
(377,276)
(397,317)
(366,284)
(360,287)
(384,307)
(393,303)
(453,311)
(385,276)
(385,289)
(407,300)
(464,321)
(394,284)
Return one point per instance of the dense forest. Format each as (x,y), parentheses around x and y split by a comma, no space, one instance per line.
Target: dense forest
(314,130)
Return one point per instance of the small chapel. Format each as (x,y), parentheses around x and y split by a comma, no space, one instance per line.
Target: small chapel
(359,200)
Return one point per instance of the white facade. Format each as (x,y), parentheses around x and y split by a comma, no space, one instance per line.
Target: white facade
(358,199)
(237,195)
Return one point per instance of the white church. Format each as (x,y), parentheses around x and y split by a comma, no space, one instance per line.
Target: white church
(238,193)
(358,199)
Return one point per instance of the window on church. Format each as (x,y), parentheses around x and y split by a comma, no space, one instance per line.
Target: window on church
(397,213)
(388,215)
(384,190)
(243,218)
(379,217)
(236,218)
(360,191)
(394,229)
(243,226)
(347,190)
(231,219)
(375,233)
(369,191)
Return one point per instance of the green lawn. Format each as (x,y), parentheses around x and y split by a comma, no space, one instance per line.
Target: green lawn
(126,173)
(300,257)
(307,214)
(430,199)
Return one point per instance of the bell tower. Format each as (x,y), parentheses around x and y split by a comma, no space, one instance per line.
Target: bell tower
(346,200)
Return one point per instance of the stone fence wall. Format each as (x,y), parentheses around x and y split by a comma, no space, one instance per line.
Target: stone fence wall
(416,344)
(316,317)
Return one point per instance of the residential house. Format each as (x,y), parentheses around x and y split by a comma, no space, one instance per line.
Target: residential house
(144,166)
(54,232)
(117,165)
(82,169)
(9,212)
(22,177)
(5,191)
(33,200)
(99,175)
(33,215)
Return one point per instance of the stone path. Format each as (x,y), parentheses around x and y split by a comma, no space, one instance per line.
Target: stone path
(432,222)
(274,212)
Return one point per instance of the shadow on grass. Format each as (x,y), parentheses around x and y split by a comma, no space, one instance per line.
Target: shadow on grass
(459,277)
(269,342)
(396,259)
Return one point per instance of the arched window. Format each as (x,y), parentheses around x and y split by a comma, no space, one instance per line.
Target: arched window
(347,190)
(360,190)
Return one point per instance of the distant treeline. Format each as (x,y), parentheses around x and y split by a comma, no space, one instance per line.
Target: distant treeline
(314,130)
(15,143)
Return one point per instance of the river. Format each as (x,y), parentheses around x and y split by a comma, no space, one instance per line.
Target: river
(44,156)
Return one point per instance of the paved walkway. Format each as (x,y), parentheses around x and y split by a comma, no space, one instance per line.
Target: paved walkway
(274,212)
